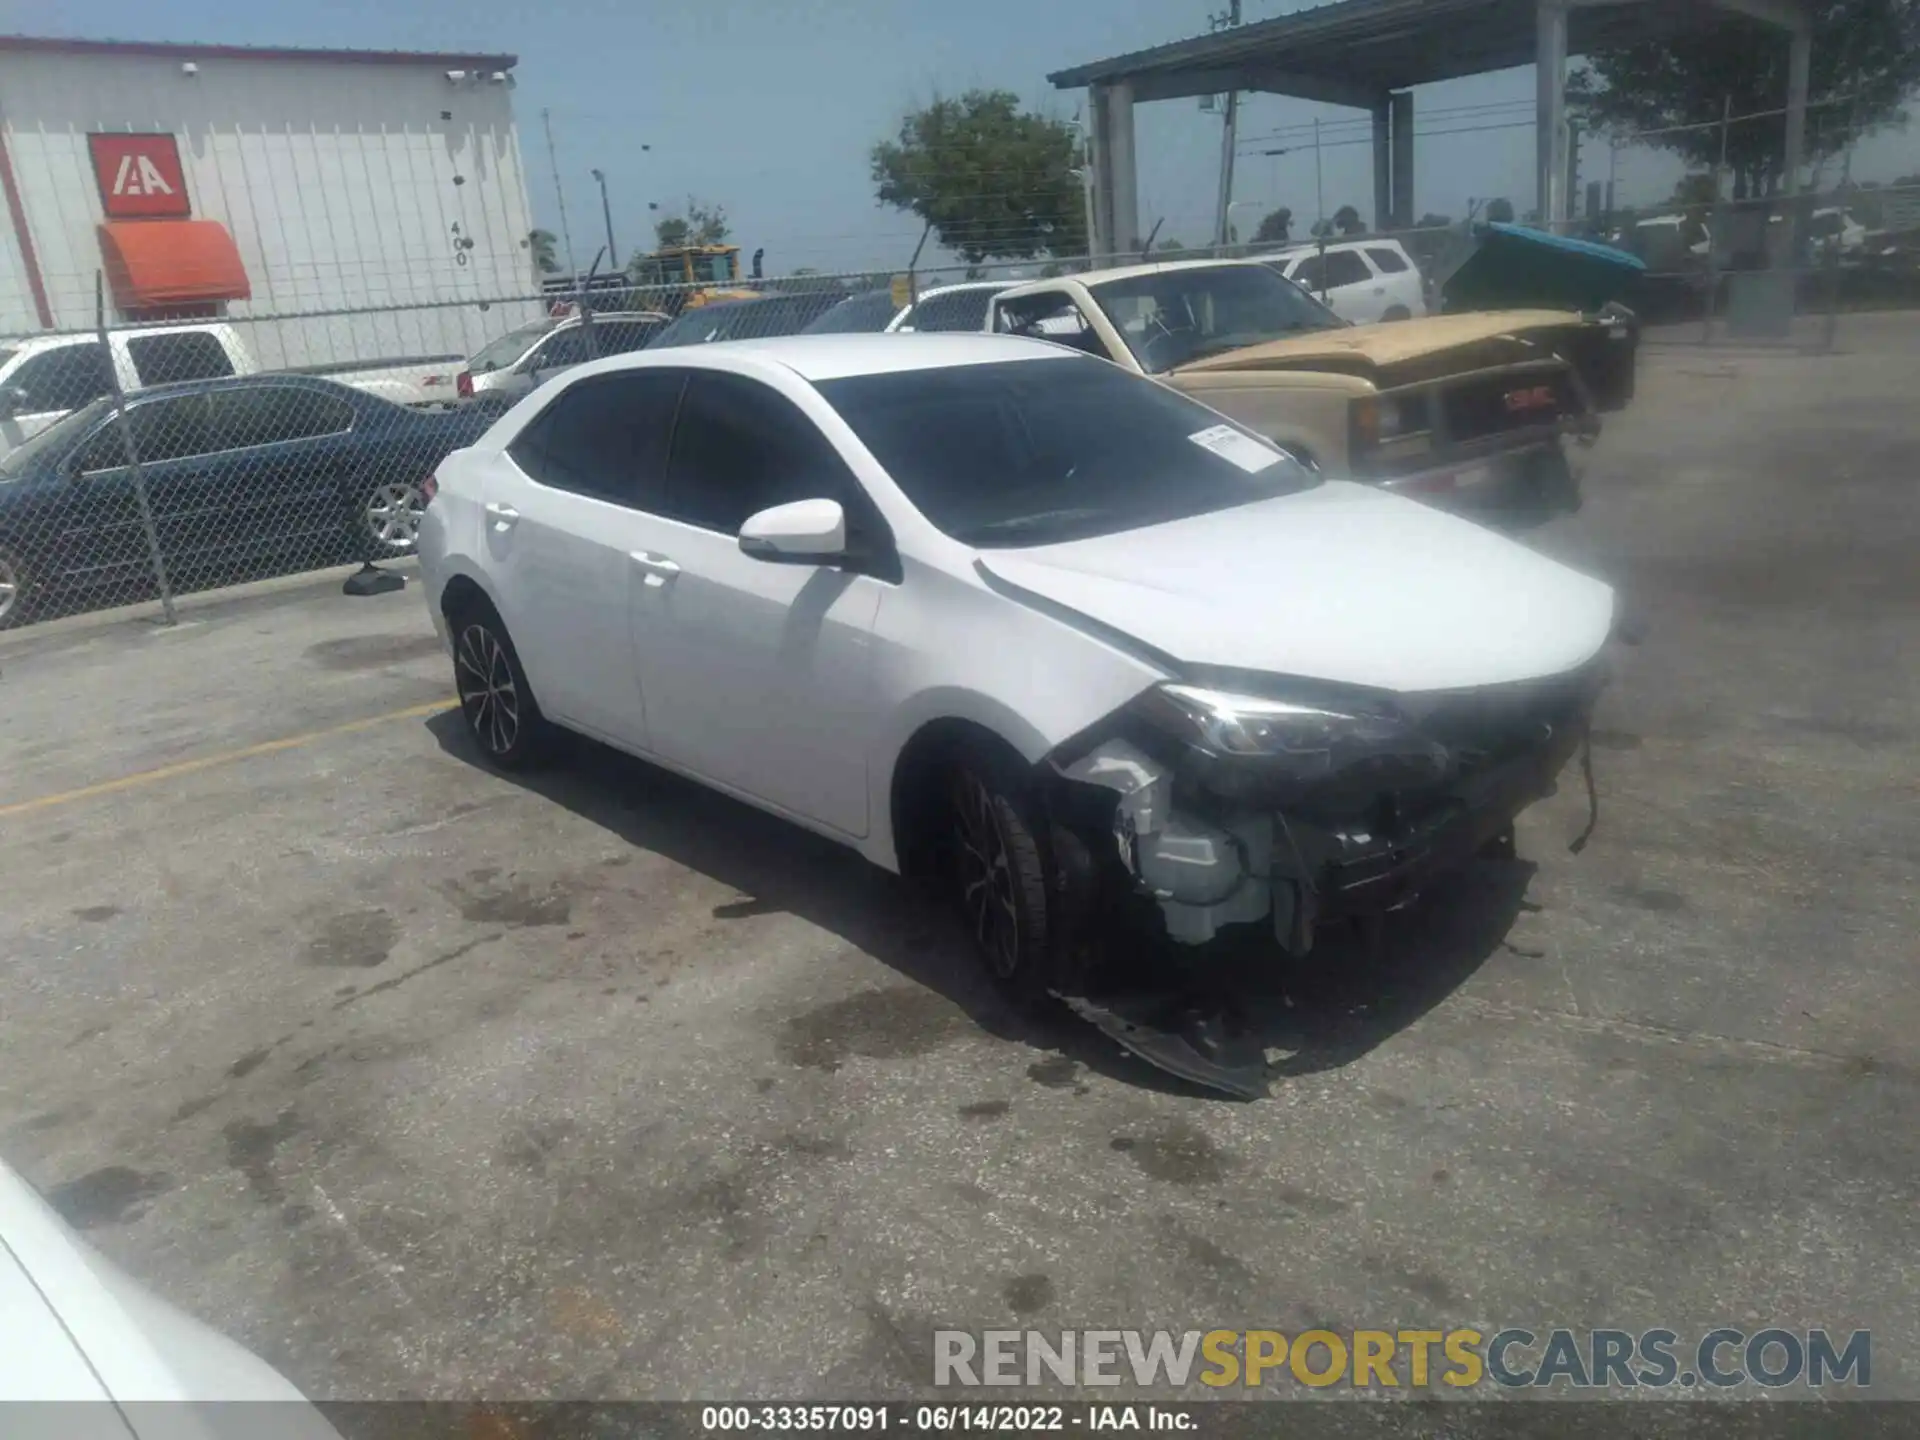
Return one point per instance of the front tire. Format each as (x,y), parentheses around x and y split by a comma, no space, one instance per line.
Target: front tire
(502,717)
(999,873)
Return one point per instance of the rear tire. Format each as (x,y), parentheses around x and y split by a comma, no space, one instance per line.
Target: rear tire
(1396,312)
(503,719)
(998,869)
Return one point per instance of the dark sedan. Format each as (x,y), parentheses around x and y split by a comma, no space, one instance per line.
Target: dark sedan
(262,474)
(755,319)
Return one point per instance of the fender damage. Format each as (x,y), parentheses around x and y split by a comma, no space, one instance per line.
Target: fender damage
(1163,834)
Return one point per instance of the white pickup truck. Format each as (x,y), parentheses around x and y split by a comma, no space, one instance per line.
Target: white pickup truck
(44,376)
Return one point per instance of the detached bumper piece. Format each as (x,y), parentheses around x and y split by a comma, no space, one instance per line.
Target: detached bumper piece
(1201,842)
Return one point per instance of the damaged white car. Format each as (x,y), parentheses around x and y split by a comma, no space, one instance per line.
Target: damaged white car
(1008,616)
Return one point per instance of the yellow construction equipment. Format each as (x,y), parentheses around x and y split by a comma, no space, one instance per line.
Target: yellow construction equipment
(689,276)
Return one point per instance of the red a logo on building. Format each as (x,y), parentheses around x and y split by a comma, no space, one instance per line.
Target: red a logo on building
(140,176)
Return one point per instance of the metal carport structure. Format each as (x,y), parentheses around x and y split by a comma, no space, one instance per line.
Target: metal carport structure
(1369,53)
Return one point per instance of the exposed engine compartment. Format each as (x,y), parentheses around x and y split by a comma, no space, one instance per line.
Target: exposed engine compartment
(1402,790)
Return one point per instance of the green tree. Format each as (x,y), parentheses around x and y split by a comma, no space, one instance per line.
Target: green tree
(1275,228)
(702,224)
(1348,222)
(1695,189)
(1865,50)
(543,250)
(995,182)
(1500,211)
(1171,245)
(1431,221)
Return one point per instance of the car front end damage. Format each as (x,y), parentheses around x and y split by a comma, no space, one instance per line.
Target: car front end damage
(1230,801)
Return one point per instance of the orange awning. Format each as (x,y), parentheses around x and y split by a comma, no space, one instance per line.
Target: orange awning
(171,262)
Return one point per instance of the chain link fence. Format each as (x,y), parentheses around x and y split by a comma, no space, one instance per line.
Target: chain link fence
(140,462)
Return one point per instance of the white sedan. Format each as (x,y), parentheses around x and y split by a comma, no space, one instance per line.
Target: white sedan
(989,610)
(87,1352)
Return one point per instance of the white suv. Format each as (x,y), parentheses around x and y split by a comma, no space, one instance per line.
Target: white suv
(1361,281)
(985,609)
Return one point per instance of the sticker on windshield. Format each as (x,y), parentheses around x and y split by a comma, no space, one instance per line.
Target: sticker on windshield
(1236,449)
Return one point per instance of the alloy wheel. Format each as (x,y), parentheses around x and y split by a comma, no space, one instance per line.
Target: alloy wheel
(986,875)
(393,515)
(488,695)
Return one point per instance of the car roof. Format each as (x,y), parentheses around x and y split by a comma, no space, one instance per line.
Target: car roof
(1094,279)
(961,285)
(836,357)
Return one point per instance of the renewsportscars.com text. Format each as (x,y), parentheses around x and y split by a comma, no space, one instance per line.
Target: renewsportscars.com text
(1515,1357)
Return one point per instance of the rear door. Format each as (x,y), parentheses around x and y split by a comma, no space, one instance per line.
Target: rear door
(280,468)
(566,509)
(1400,280)
(1344,280)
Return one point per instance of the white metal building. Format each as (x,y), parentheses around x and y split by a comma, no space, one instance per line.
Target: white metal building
(372,202)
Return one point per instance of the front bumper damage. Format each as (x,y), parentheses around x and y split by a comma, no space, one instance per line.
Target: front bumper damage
(1154,835)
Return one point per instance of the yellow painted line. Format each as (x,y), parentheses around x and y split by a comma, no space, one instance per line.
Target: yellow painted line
(225,757)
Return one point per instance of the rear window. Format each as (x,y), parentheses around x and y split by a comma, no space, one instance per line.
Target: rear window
(184,355)
(1391,262)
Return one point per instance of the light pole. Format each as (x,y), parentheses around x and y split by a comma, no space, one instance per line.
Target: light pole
(606,212)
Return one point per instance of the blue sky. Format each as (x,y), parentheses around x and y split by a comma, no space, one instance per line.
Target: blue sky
(769,108)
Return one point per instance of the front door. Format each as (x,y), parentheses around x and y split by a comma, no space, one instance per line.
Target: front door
(564,515)
(758,677)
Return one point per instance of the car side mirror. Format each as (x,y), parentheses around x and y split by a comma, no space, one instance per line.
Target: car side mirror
(13,400)
(803,532)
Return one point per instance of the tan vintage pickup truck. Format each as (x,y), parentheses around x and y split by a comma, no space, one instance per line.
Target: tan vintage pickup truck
(1467,411)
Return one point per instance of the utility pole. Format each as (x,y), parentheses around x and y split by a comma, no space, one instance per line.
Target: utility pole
(606,213)
(559,192)
(1229,135)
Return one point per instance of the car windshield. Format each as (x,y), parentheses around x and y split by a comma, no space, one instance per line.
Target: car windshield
(1172,317)
(1034,452)
(508,348)
(867,314)
(742,320)
(56,437)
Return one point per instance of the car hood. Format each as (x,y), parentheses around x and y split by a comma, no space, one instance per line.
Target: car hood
(1340,583)
(1491,338)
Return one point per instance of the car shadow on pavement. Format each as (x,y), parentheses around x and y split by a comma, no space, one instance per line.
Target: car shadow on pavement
(1348,996)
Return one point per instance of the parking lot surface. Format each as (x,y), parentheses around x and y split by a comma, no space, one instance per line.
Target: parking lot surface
(419,1080)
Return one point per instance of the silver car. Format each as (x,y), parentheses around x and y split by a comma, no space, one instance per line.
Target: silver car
(521,359)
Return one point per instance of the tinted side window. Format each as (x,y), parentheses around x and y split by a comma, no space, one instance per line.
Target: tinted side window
(175,429)
(1345,267)
(739,448)
(606,437)
(964,310)
(188,355)
(63,379)
(1389,261)
(269,415)
(568,347)
(620,337)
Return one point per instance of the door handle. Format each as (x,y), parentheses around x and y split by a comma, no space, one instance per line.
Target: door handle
(502,515)
(659,568)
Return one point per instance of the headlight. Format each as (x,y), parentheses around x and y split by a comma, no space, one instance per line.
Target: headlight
(1301,739)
